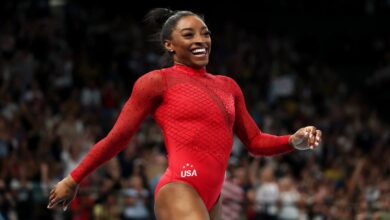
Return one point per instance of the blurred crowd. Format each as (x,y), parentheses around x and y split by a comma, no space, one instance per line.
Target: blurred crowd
(66,71)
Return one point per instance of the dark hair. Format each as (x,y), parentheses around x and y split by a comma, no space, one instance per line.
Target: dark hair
(162,21)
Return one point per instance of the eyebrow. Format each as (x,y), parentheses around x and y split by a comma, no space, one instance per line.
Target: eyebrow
(191,29)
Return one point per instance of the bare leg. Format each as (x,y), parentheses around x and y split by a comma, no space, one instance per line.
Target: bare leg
(215,213)
(179,201)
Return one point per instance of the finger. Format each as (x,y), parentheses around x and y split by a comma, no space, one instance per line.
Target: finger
(65,205)
(52,191)
(52,196)
(312,143)
(55,203)
(314,133)
(51,204)
(318,137)
(310,140)
(319,134)
(310,129)
(313,139)
(306,134)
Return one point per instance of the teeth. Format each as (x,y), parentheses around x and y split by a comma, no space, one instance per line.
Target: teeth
(200,50)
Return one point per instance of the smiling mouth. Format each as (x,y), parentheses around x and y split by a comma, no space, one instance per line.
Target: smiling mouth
(199,52)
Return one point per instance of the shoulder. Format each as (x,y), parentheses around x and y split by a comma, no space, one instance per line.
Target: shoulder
(150,82)
(220,77)
(228,81)
(152,77)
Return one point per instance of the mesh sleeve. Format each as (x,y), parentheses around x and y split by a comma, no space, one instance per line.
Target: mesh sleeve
(256,141)
(145,97)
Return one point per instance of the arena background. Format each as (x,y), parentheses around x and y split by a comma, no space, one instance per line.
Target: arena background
(67,67)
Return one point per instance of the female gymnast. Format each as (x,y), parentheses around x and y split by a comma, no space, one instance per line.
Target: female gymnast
(198,113)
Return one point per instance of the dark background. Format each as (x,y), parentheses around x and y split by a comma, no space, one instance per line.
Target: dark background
(351,36)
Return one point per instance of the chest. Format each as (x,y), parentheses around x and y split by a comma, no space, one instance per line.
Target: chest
(199,99)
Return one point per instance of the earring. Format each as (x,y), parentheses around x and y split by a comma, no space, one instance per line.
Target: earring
(171,51)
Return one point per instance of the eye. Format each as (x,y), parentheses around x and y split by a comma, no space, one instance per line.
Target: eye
(207,33)
(188,35)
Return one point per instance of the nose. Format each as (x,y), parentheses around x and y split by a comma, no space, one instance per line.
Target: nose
(199,38)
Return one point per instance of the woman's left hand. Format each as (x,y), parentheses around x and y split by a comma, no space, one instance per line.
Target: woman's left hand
(306,138)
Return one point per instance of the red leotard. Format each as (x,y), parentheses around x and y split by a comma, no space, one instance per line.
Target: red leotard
(198,113)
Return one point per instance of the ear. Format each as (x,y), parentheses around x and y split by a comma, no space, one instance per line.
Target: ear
(168,46)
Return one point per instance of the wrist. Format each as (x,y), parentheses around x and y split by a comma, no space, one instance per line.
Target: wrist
(290,141)
(70,181)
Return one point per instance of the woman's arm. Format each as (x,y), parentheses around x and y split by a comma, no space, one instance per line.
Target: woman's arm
(256,141)
(145,97)
(263,144)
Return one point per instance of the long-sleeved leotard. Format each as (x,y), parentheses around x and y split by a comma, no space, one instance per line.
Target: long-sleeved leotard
(198,113)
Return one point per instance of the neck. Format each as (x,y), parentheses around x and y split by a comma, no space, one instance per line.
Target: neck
(193,67)
(189,69)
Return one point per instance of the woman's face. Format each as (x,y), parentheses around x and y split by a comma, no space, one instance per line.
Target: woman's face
(190,41)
